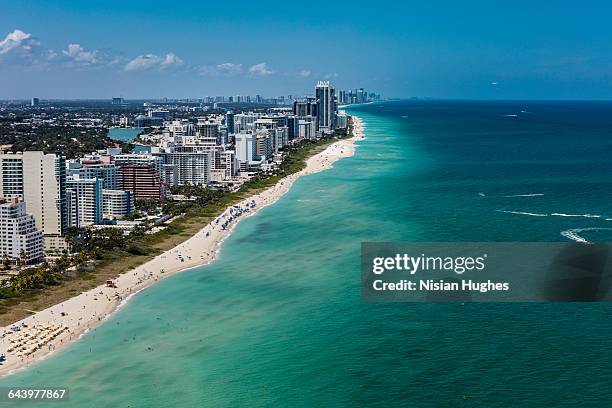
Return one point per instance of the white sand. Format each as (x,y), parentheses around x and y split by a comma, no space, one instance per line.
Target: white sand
(53,328)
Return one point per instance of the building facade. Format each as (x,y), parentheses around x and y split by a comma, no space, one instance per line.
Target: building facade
(326,106)
(116,204)
(20,241)
(84,201)
(142,180)
(44,191)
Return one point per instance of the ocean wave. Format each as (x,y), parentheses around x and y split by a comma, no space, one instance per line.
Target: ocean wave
(574,233)
(523,195)
(524,213)
(576,215)
(512,115)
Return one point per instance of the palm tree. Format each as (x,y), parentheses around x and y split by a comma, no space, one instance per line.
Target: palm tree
(23,257)
(6,260)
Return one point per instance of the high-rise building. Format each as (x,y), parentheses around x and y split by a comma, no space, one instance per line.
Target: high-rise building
(326,106)
(361,95)
(229,122)
(89,169)
(292,127)
(208,131)
(246,151)
(35,102)
(116,204)
(306,129)
(341,120)
(44,191)
(20,241)
(244,121)
(307,107)
(84,201)
(192,167)
(263,144)
(11,175)
(142,180)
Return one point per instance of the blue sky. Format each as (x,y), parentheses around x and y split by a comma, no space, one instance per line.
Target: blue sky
(470,49)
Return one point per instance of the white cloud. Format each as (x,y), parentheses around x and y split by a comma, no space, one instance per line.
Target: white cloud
(151,61)
(227,68)
(171,60)
(18,42)
(230,68)
(260,69)
(50,55)
(305,73)
(142,62)
(77,54)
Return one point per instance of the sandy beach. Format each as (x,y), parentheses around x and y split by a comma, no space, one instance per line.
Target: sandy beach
(49,330)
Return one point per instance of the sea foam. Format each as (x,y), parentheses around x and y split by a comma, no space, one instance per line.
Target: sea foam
(524,213)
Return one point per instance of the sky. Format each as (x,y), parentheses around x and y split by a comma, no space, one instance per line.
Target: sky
(191,49)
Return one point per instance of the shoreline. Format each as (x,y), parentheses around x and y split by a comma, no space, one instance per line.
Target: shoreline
(54,328)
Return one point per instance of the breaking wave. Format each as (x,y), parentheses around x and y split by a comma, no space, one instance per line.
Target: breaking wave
(523,195)
(524,213)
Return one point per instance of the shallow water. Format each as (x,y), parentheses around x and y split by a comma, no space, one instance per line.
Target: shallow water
(278,321)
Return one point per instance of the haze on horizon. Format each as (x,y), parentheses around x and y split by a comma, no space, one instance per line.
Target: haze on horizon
(444,49)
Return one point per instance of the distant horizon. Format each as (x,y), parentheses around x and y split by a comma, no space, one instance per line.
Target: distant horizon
(445,49)
(406,98)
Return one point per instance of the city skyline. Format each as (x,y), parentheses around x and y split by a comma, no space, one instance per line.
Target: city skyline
(145,50)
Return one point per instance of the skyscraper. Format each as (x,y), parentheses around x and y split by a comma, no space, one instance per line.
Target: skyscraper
(44,191)
(326,106)
(229,122)
(307,107)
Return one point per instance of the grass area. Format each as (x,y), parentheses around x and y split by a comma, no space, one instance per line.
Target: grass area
(117,262)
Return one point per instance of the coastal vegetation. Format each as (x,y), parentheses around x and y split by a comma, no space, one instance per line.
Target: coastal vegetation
(102,254)
(72,141)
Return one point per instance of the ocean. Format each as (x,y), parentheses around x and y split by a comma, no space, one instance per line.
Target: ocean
(124,134)
(277,320)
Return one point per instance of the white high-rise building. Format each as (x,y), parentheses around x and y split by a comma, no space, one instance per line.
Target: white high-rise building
(306,129)
(117,204)
(341,120)
(191,167)
(208,132)
(245,121)
(44,191)
(88,169)
(20,240)
(246,148)
(84,201)
(226,166)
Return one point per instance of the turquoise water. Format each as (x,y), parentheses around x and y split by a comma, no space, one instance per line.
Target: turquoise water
(124,134)
(278,321)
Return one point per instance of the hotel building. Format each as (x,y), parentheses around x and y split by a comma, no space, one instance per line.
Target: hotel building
(44,191)
(116,204)
(84,201)
(20,240)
